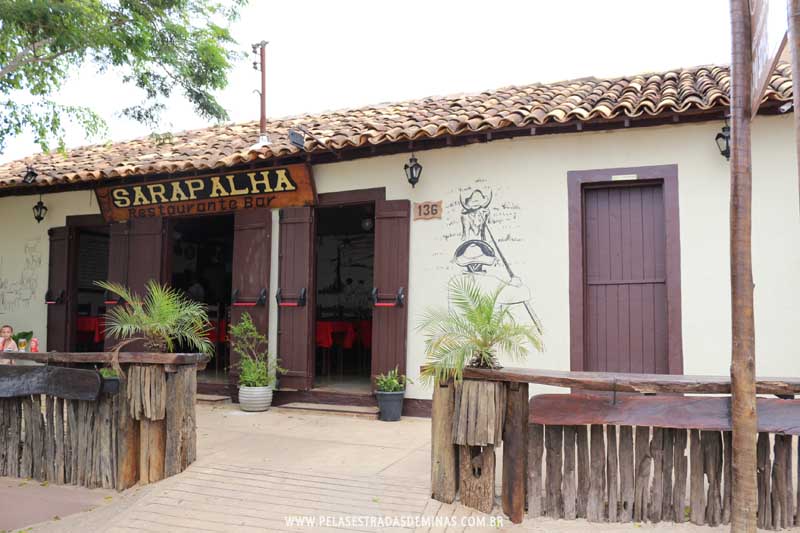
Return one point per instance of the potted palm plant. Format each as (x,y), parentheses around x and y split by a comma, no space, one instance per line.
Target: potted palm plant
(258,369)
(390,390)
(161,318)
(474,331)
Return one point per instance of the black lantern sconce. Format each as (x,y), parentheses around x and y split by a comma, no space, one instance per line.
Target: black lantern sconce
(39,210)
(413,170)
(723,140)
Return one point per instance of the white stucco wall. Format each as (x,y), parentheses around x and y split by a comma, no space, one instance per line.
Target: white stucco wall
(528,177)
(25,252)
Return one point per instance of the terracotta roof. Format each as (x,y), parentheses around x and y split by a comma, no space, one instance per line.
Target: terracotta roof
(680,91)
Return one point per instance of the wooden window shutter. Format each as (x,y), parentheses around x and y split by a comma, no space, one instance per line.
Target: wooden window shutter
(390,314)
(252,235)
(146,242)
(296,297)
(117,265)
(58,290)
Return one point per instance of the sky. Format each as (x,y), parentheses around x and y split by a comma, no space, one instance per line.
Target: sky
(326,55)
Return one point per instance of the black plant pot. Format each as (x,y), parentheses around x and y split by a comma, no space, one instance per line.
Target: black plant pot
(390,405)
(110,385)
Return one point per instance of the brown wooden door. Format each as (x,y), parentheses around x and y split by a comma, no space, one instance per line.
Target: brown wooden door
(57,298)
(296,297)
(252,235)
(146,243)
(390,312)
(625,313)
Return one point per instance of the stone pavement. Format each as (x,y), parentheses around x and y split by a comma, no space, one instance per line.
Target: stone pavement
(290,471)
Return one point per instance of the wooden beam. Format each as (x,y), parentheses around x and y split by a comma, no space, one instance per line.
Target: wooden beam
(66,383)
(515,452)
(149,358)
(642,383)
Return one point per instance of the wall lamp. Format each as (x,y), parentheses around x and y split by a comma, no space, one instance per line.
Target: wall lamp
(723,140)
(39,210)
(413,170)
(30,175)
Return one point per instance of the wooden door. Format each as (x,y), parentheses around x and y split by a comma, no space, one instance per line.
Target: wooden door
(625,291)
(296,297)
(252,237)
(59,290)
(390,311)
(146,244)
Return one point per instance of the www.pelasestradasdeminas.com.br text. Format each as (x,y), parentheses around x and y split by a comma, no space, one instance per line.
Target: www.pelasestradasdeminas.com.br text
(378,521)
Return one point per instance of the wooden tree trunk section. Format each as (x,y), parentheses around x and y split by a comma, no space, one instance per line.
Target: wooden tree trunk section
(612,472)
(515,451)
(727,470)
(444,458)
(712,460)
(569,483)
(657,487)
(595,505)
(583,470)
(60,459)
(479,413)
(152,442)
(554,505)
(642,464)
(666,493)
(127,445)
(697,495)
(535,454)
(476,477)
(764,482)
(680,462)
(627,473)
(782,494)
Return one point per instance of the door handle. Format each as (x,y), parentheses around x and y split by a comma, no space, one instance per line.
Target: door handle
(261,301)
(300,301)
(398,300)
(49,300)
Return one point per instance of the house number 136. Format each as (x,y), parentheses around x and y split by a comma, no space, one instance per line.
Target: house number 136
(427,210)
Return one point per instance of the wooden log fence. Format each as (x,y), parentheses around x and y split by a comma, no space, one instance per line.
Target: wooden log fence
(57,425)
(609,457)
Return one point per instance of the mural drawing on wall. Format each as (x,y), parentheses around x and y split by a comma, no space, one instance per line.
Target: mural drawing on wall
(480,254)
(19,292)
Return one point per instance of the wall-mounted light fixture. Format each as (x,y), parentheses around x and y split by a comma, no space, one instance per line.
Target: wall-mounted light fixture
(30,175)
(413,170)
(723,140)
(39,210)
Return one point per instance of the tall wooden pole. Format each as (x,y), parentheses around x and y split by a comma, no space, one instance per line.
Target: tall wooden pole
(794,46)
(743,390)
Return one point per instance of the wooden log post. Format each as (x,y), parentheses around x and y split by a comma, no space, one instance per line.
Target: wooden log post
(626,473)
(152,444)
(476,477)
(727,471)
(444,456)
(697,495)
(14,437)
(535,454)
(612,473)
(712,461)
(582,446)
(681,462)
(127,442)
(657,487)
(554,505)
(666,493)
(642,463)
(595,505)
(515,451)
(782,500)
(764,482)
(569,482)
(189,429)
(60,459)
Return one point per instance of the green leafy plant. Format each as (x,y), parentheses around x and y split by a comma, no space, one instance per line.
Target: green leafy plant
(392,381)
(108,373)
(473,332)
(27,335)
(257,368)
(162,318)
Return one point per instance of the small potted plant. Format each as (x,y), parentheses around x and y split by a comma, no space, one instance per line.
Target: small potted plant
(110,380)
(258,369)
(391,388)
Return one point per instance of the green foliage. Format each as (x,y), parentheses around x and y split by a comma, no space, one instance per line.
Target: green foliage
(257,368)
(108,373)
(473,331)
(162,318)
(27,335)
(161,47)
(392,381)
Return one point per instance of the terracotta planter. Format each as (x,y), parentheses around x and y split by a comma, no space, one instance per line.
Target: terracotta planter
(255,398)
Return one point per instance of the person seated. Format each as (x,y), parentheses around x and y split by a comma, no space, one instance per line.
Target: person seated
(7,344)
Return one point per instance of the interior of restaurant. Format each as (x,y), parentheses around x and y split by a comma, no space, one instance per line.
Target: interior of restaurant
(202,260)
(91,265)
(344,268)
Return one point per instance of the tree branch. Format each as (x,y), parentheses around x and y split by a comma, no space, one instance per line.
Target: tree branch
(20,60)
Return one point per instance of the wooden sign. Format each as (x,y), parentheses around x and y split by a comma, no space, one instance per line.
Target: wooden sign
(287,186)
(769,25)
(427,210)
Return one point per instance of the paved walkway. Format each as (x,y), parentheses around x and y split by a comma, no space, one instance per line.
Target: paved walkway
(285,471)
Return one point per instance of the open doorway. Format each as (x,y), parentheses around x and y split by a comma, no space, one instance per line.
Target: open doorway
(201,264)
(91,264)
(345,254)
